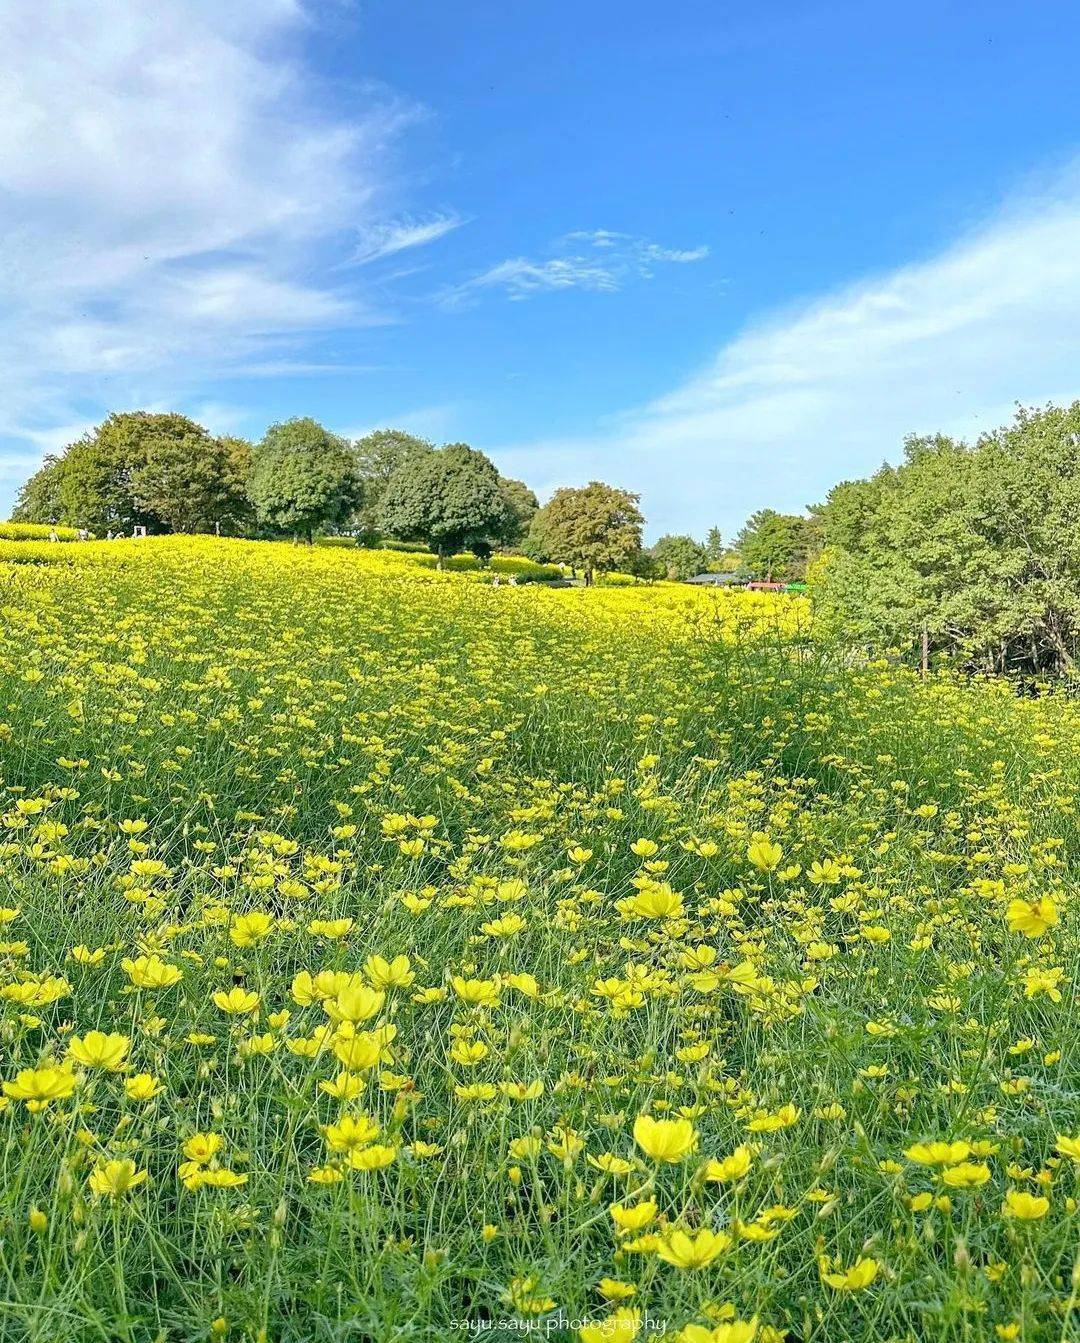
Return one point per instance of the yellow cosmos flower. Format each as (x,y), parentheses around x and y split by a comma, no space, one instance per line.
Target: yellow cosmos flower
(861,1274)
(40,1086)
(237,1001)
(351,1131)
(621,1327)
(478,992)
(693,1251)
(1032,917)
(97,1050)
(384,974)
(151,972)
(967,1175)
(938,1153)
(729,1168)
(142,1087)
(113,1179)
(1024,1207)
(248,929)
(375,1157)
(668,1140)
(765,855)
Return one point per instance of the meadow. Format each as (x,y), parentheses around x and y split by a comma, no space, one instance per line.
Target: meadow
(391,956)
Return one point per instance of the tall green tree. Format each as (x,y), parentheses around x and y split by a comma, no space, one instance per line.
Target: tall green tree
(378,456)
(453,499)
(714,546)
(303,478)
(773,546)
(596,528)
(39,499)
(680,557)
(524,506)
(189,480)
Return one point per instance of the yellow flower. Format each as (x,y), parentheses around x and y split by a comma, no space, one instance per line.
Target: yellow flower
(967,1175)
(480,992)
(631,1219)
(355,1002)
(383,974)
(861,1274)
(729,1168)
(1031,917)
(657,901)
(237,1002)
(765,855)
(1024,1207)
(668,1140)
(938,1153)
(693,1251)
(351,1131)
(371,1158)
(248,929)
(141,1087)
(112,1179)
(622,1327)
(151,972)
(97,1050)
(1068,1146)
(38,1086)
(202,1147)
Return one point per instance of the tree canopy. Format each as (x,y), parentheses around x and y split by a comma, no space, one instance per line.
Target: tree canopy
(680,557)
(378,455)
(452,498)
(773,546)
(303,477)
(978,545)
(596,528)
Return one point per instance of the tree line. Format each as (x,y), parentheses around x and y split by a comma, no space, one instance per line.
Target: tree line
(166,473)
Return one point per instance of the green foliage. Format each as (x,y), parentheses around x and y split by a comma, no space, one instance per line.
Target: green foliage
(453,499)
(39,499)
(190,481)
(159,471)
(378,455)
(714,546)
(595,528)
(680,557)
(978,545)
(302,478)
(773,546)
(524,506)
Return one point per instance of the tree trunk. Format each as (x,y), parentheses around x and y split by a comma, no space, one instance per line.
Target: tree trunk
(588,576)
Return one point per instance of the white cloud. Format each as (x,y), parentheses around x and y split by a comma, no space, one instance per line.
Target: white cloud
(828,389)
(400,235)
(599,260)
(173,184)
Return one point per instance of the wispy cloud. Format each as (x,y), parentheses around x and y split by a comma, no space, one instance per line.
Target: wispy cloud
(599,260)
(401,235)
(174,189)
(828,389)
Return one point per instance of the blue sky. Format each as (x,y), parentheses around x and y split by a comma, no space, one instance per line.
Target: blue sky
(724,255)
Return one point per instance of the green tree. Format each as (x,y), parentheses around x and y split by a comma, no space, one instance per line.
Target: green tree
(977,545)
(303,478)
(680,557)
(39,499)
(714,546)
(452,499)
(97,482)
(189,480)
(524,506)
(596,528)
(772,546)
(378,455)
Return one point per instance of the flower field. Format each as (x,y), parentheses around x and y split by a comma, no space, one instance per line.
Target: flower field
(388,956)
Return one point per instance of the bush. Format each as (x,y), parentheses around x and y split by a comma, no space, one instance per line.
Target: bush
(412,547)
(346,541)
